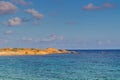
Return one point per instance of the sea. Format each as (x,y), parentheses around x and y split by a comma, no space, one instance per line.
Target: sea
(85,65)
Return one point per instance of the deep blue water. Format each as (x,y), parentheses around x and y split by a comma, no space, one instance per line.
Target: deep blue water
(88,65)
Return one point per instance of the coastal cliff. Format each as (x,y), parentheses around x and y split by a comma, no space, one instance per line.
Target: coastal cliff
(30,51)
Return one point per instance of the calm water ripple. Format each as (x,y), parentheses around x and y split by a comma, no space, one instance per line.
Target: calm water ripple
(89,65)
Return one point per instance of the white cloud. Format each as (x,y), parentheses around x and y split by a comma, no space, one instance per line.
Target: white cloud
(109,41)
(108,5)
(8,32)
(104,42)
(34,13)
(91,6)
(3,41)
(53,37)
(27,39)
(14,21)
(100,42)
(50,38)
(7,8)
(21,2)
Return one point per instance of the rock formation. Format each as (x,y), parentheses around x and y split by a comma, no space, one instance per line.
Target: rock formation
(30,51)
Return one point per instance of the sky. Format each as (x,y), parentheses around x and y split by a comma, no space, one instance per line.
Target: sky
(63,24)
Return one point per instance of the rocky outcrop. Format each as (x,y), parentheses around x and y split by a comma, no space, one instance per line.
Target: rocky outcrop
(30,51)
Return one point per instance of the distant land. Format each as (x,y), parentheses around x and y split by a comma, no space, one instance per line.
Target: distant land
(31,51)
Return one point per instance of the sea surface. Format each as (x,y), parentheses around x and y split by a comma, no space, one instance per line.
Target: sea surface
(88,65)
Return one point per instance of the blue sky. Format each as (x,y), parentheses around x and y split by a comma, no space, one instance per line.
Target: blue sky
(69,24)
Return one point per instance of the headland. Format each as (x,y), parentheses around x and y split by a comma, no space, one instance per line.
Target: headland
(30,51)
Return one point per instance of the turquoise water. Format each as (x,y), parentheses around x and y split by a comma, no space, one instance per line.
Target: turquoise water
(89,65)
